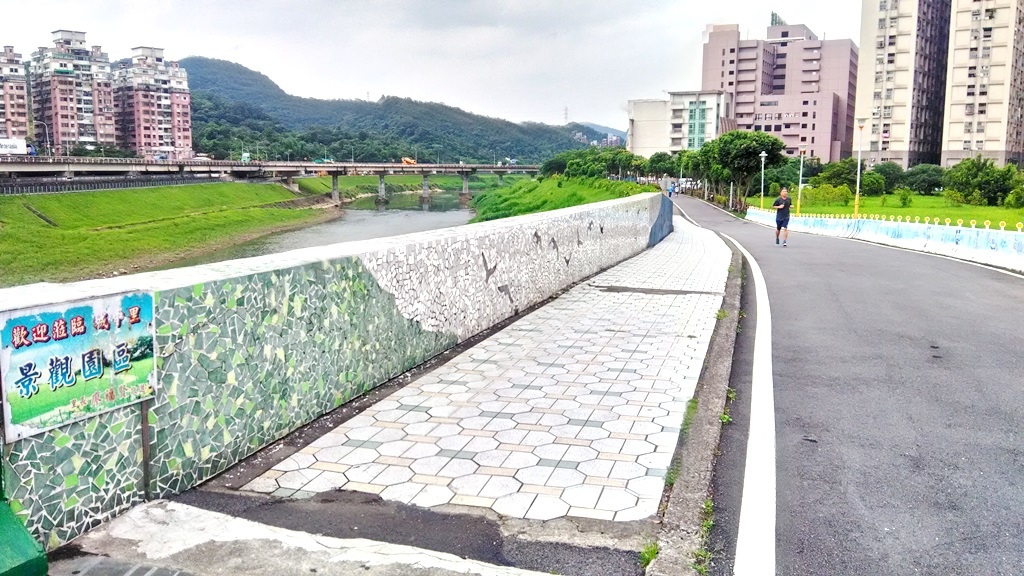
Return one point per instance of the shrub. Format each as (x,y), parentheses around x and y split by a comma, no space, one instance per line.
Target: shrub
(953,198)
(906,196)
(1015,199)
(774,189)
(827,195)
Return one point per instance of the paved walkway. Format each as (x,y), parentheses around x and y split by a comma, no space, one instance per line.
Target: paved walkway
(573,410)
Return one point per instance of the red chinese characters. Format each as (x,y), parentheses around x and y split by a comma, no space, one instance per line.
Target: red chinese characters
(60,329)
(20,337)
(101,321)
(134,315)
(77,326)
(41,333)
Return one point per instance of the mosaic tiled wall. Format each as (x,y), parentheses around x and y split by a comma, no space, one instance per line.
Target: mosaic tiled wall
(250,350)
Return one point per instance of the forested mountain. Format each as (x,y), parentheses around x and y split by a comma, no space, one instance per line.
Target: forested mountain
(231,101)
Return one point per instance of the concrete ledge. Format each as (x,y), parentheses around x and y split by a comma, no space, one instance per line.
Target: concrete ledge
(680,534)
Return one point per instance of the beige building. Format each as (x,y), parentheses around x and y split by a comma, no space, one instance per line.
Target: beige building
(152,105)
(683,122)
(72,94)
(901,94)
(984,100)
(793,85)
(14,111)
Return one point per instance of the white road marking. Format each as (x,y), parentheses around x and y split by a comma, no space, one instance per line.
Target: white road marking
(755,542)
(685,215)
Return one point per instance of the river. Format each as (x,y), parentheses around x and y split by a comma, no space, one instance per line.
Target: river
(361,221)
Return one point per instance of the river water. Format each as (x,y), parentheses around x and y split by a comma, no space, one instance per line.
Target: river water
(362,221)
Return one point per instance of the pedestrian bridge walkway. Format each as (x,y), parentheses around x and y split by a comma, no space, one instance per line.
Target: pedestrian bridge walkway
(573,410)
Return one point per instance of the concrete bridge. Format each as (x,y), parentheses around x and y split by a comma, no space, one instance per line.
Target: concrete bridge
(70,166)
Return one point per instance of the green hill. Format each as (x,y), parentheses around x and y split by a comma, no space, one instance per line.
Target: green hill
(387,129)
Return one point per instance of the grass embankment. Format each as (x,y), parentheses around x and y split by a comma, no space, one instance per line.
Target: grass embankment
(355,186)
(530,196)
(100,233)
(931,207)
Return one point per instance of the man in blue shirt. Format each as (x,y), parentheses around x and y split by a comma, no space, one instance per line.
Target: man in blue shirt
(781,206)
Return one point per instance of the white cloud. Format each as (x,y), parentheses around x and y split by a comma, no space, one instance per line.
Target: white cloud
(515,59)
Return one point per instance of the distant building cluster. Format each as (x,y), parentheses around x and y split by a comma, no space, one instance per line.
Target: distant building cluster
(942,81)
(71,95)
(609,141)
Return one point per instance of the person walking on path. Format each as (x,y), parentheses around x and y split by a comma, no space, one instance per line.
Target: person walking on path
(781,205)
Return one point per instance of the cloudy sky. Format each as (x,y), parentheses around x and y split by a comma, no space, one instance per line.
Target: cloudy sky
(523,60)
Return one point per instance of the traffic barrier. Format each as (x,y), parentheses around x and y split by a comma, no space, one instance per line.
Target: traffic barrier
(1002,246)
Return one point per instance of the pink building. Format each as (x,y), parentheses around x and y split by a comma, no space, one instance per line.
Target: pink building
(153,105)
(71,93)
(793,85)
(13,95)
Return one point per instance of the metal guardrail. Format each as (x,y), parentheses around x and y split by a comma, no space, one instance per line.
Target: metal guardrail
(60,188)
(84,160)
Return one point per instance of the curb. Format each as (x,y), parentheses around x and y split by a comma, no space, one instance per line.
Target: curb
(680,535)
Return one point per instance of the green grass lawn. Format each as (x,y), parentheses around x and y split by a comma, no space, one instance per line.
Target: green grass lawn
(922,206)
(148,225)
(530,196)
(352,186)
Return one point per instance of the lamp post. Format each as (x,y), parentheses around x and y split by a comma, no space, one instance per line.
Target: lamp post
(800,186)
(241,148)
(860,152)
(258,149)
(46,133)
(325,151)
(763,155)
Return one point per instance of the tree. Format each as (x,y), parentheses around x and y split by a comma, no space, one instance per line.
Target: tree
(872,184)
(924,178)
(980,175)
(739,153)
(893,174)
(841,173)
(660,164)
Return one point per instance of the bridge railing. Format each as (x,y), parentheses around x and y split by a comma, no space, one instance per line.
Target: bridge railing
(256,163)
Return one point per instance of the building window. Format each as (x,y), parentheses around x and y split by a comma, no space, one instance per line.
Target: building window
(983,90)
(973,53)
(975,15)
(881,23)
(890,59)
(986,51)
(970,89)
(986,33)
(887,112)
(981,127)
(888,93)
(969,109)
(967,145)
(980,144)
(878,94)
(968,127)
(972,71)
(981,108)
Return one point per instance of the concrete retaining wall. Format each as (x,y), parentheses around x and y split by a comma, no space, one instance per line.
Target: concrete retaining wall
(249,350)
(1003,248)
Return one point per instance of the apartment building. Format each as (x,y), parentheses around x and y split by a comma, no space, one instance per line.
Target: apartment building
(14,105)
(901,98)
(792,85)
(152,105)
(683,122)
(984,99)
(72,94)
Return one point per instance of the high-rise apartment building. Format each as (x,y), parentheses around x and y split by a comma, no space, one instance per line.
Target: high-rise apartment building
(152,104)
(984,100)
(72,94)
(683,122)
(793,85)
(901,96)
(14,110)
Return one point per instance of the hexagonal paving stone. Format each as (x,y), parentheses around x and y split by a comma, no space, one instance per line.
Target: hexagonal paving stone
(596,468)
(637,447)
(358,456)
(564,477)
(365,473)
(627,470)
(296,479)
(551,451)
(445,430)
(646,487)
(582,496)
(456,442)
(481,444)
(615,499)
(432,495)
(297,461)
(429,465)
(457,467)
(535,475)
(393,475)
(579,453)
(325,482)
(660,460)
(511,436)
(519,460)
(547,507)
(537,438)
(469,485)
(514,505)
(404,492)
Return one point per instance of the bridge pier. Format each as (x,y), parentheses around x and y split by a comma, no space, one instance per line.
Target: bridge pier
(382,191)
(465,185)
(501,179)
(426,188)
(334,188)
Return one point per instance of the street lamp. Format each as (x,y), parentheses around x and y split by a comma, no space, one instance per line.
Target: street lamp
(325,151)
(800,186)
(258,149)
(762,155)
(860,152)
(46,133)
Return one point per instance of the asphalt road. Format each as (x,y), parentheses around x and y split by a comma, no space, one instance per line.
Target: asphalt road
(898,408)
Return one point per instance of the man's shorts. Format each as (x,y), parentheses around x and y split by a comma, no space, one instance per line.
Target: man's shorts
(781,223)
